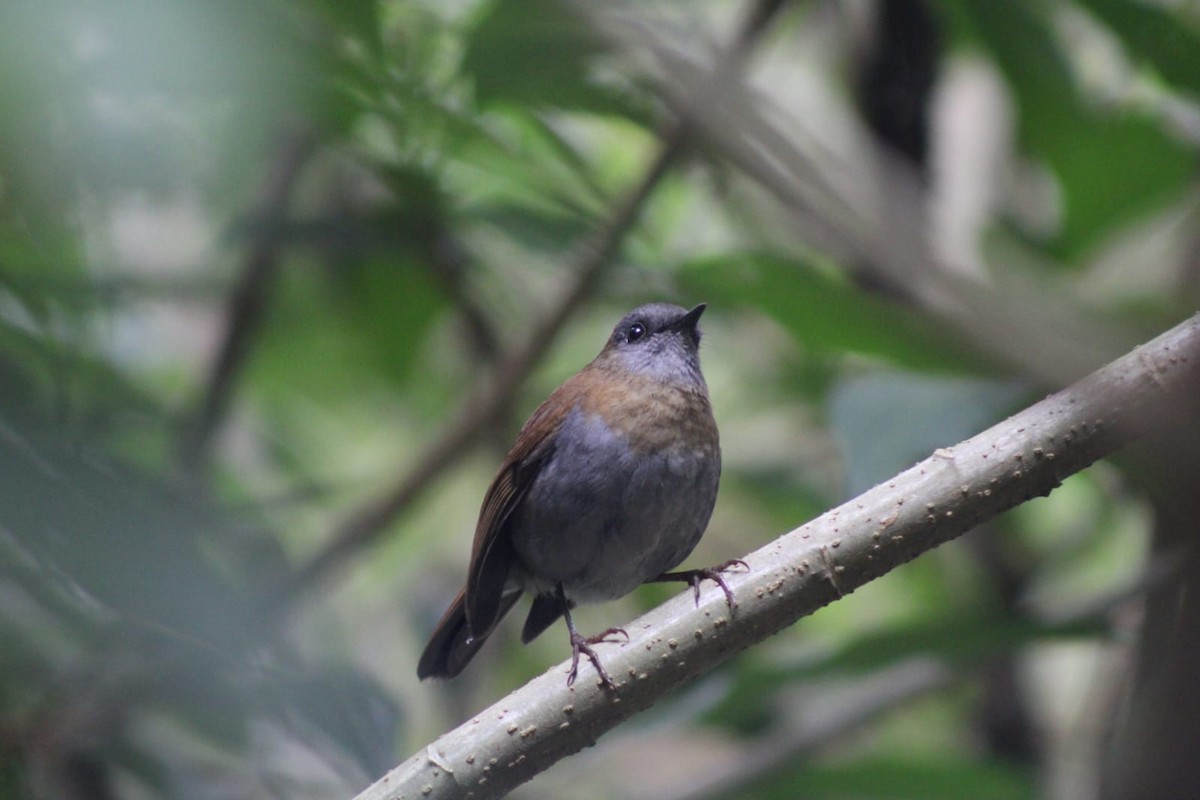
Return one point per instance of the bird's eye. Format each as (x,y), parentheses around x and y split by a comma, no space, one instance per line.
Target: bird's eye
(636,331)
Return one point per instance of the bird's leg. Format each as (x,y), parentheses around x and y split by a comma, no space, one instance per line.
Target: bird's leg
(583,644)
(694,576)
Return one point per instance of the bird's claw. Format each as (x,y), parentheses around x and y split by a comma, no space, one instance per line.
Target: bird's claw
(714,574)
(583,644)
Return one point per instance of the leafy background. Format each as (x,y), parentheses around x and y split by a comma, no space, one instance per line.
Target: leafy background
(260,261)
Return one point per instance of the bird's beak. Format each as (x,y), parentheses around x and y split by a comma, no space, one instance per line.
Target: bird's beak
(688,321)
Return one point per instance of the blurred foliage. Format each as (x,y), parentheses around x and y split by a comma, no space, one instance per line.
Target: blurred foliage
(464,153)
(1072,132)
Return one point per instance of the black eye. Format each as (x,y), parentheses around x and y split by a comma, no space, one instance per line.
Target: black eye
(636,331)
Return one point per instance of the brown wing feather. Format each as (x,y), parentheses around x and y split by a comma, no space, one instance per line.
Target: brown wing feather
(451,645)
(491,555)
(492,552)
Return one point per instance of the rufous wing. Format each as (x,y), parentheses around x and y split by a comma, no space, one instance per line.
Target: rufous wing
(492,551)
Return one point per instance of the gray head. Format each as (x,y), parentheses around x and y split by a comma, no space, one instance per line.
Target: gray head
(658,339)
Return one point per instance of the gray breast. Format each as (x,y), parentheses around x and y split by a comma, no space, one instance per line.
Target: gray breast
(602,518)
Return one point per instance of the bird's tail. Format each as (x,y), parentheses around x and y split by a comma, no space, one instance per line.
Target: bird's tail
(452,646)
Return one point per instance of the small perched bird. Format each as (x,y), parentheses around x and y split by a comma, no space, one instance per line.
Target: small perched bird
(611,483)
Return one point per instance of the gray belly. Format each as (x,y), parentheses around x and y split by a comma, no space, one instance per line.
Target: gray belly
(602,519)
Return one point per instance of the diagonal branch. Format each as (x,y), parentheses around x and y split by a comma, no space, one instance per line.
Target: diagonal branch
(249,299)
(494,395)
(940,498)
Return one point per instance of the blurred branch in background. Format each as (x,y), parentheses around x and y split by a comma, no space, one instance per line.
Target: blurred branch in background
(248,302)
(1152,752)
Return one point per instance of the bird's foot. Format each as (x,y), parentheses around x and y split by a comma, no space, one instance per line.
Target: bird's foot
(583,644)
(694,576)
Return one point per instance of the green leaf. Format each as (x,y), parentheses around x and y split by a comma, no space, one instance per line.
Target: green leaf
(358,19)
(13,779)
(538,231)
(338,704)
(129,542)
(537,53)
(938,411)
(1112,165)
(333,333)
(825,312)
(1156,34)
(945,778)
(49,384)
(963,640)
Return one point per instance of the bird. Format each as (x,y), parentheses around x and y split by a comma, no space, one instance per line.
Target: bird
(610,484)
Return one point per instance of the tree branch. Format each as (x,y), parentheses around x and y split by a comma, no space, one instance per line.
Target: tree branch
(940,498)
(246,304)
